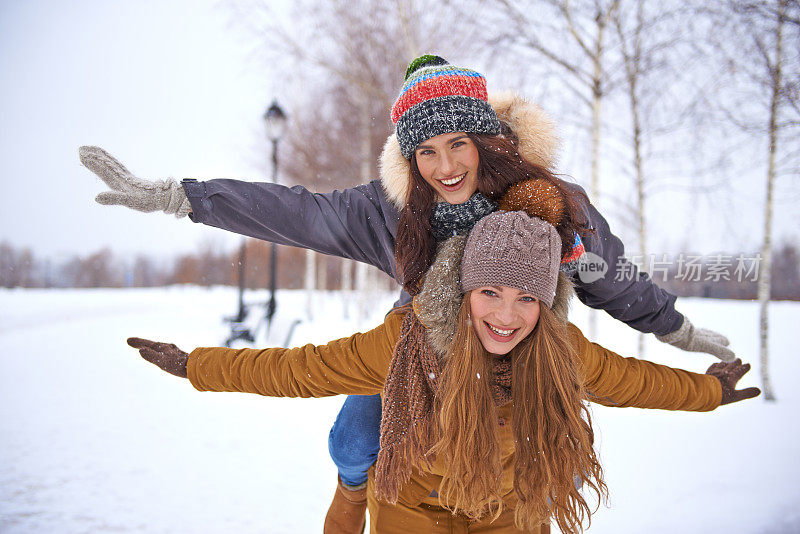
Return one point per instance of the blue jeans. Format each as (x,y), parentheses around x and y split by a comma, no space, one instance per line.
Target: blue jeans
(354,440)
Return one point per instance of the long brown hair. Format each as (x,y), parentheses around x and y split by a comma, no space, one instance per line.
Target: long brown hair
(500,165)
(551,425)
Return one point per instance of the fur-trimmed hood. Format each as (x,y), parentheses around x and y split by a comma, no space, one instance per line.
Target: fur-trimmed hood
(438,302)
(535,130)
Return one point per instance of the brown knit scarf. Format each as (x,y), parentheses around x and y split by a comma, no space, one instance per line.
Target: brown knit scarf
(407,425)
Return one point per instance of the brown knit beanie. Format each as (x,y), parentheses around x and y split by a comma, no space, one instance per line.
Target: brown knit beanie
(513,249)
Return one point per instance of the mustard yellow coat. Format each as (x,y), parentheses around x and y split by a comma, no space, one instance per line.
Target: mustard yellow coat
(358,365)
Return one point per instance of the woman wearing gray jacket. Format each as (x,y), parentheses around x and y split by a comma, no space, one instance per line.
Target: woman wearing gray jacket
(455,151)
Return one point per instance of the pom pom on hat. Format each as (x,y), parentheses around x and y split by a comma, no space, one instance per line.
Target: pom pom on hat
(536,197)
(422,61)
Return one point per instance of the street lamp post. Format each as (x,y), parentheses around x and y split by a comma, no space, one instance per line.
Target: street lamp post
(275,121)
(238,329)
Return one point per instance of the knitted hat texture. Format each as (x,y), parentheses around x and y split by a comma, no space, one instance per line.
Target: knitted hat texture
(438,98)
(513,249)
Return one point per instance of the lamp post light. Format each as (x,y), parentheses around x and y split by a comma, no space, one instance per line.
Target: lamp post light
(275,121)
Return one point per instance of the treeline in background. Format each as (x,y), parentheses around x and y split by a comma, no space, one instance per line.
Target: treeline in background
(20,267)
(710,276)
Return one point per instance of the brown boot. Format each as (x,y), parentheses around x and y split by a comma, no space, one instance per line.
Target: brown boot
(347,514)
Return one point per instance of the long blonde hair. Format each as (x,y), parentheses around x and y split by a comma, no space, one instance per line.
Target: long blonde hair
(551,426)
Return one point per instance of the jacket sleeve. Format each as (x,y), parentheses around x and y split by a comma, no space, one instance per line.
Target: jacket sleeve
(612,380)
(623,292)
(355,365)
(358,223)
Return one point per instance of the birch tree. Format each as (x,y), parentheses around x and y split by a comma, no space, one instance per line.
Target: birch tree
(770,70)
(632,55)
(771,49)
(647,35)
(573,37)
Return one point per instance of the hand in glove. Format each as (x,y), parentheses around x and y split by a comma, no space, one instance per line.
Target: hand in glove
(728,375)
(165,355)
(128,190)
(692,339)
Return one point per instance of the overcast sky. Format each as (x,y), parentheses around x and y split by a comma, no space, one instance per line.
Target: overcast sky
(171,88)
(166,87)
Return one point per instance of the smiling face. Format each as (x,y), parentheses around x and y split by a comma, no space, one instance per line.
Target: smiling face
(449,163)
(502,316)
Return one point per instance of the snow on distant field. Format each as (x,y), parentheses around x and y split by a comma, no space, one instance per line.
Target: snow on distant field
(94,439)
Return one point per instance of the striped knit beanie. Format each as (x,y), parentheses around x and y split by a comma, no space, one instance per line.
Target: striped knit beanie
(439,98)
(511,248)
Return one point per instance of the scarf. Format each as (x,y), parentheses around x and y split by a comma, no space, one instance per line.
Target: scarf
(448,220)
(407,418)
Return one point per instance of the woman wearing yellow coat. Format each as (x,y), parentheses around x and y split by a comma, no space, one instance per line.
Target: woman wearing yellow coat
(484,425)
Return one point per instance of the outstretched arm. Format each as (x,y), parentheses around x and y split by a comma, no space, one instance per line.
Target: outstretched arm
(632,297)
(612,380)
(355,365)
(357,223)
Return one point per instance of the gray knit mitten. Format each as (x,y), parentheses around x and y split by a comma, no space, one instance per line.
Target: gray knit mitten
(692,339)
(128,190)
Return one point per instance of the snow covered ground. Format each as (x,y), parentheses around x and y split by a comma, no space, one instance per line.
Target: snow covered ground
(94,439)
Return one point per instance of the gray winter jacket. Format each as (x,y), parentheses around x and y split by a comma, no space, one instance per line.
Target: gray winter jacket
(360,224)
